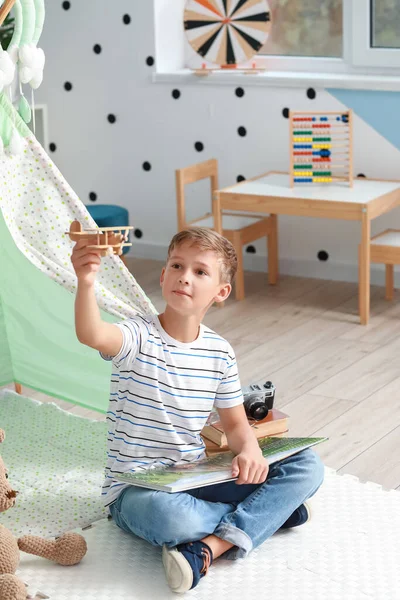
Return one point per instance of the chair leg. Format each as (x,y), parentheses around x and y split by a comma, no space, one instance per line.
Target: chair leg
(272,247)
(239,281)
(389,282)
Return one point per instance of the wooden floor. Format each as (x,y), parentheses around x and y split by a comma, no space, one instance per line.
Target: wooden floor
(333,376)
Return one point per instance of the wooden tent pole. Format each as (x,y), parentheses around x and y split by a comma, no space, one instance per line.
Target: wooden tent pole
(5,10)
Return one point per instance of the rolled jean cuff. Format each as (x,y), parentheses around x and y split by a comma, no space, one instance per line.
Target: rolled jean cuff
(235,536)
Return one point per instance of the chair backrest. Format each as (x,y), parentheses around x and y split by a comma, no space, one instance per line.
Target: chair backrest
(204,170)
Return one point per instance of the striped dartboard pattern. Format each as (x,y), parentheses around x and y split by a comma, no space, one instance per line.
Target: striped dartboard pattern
(227,32)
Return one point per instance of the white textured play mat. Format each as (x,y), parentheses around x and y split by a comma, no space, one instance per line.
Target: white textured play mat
(350,550)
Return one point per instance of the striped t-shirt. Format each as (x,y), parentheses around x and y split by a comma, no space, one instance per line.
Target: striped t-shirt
(162,392)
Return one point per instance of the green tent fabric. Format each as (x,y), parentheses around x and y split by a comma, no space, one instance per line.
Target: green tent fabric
(6,372)
(38,345)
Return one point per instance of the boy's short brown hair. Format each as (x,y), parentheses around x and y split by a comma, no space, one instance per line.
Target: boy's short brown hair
(207,239)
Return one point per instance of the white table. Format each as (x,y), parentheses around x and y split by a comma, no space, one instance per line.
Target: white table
(271,193)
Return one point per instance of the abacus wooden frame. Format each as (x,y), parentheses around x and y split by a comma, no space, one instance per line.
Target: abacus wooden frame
(292,115)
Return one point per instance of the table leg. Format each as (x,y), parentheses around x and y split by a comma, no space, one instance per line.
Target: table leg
(239,280)
(217,217)
(272,246)
(364,269)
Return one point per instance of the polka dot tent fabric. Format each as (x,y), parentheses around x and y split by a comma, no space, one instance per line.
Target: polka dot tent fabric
(56,461)
(38,207)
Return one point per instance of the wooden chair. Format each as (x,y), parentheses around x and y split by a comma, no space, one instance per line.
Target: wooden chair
(385,249)
(239,228)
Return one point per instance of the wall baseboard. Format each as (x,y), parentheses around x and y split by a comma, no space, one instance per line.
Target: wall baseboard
(299,268)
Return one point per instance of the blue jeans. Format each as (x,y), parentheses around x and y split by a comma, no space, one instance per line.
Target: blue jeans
(245,515)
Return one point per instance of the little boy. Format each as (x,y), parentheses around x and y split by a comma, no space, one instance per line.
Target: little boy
(168,372)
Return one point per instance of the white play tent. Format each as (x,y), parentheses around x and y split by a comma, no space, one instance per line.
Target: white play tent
(38,346)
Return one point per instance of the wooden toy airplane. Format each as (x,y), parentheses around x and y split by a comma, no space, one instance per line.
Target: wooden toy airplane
(108,240)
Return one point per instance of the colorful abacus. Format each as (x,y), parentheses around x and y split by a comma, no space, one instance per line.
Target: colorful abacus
(321,147)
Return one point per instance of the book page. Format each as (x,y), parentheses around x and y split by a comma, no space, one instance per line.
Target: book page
(213,469)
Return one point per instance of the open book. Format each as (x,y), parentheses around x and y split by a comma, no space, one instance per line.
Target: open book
(216,469)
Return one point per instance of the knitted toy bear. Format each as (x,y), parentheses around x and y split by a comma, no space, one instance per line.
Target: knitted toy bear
(69,549)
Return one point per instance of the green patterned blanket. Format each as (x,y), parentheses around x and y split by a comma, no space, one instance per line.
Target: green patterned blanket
(56,462)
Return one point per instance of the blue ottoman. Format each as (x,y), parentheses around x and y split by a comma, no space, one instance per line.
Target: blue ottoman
(109,215)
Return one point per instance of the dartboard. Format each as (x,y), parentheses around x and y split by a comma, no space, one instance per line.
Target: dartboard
(227,32)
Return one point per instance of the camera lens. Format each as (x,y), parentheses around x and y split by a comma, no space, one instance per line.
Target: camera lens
(255,408)
(259,412)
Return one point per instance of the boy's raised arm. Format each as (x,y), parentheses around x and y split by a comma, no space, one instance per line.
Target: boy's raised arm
(90,329)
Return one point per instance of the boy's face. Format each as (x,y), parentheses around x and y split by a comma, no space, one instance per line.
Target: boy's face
(191,280)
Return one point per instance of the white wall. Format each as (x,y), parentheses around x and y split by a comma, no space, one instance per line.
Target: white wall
(95,155)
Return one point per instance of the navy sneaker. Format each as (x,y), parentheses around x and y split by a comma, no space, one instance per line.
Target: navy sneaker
(186,564)
(300,516)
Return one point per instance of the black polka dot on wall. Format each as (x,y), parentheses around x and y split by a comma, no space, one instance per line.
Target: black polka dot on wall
(361,175)
(126,19)
(93,196)
(199,146)
(242,131)
(285,113)
(111,118)
(149,61)
(146,166)
(240,178)
(176,94)
(239,92)
(97,49)
(68,86)
(52,147)
(138,233)
(250,249)
(66,5)
(311,93)
(323,255)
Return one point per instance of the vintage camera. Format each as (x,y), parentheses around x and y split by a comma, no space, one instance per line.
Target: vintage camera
(258,400)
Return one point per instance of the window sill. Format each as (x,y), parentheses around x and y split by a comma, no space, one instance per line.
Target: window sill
(284,79)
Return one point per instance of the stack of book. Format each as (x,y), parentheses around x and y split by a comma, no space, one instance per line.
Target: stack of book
(275,424)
